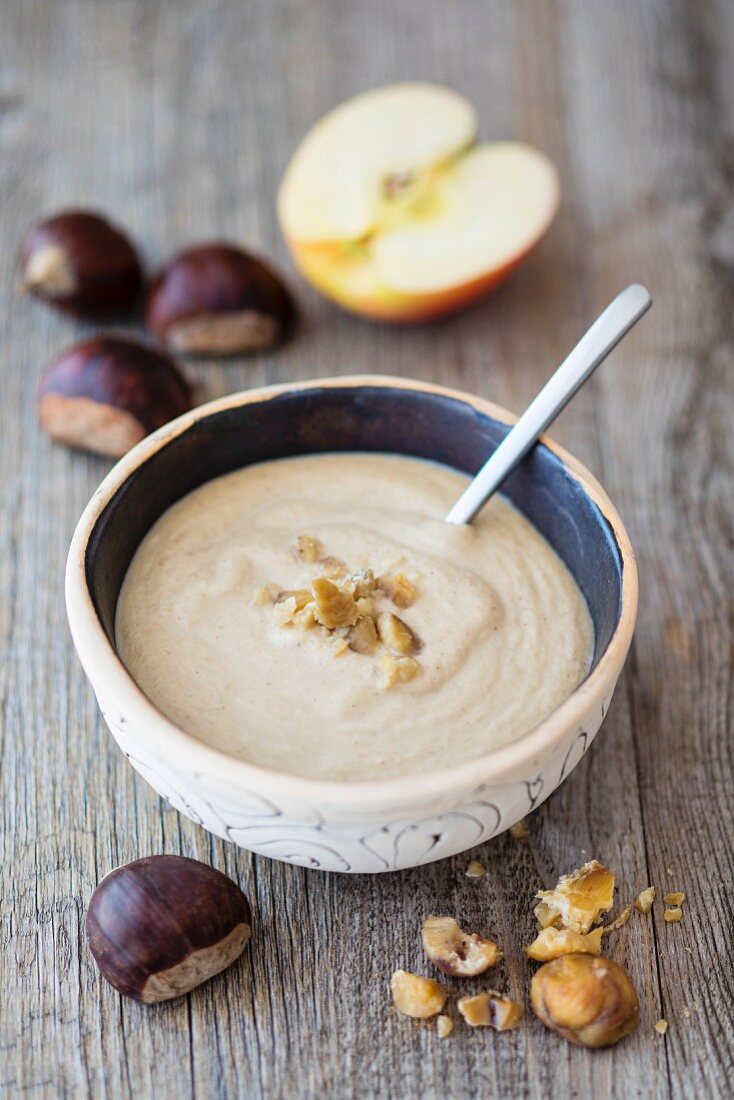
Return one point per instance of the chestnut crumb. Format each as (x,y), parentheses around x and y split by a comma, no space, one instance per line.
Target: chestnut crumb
(162,925)
(416,996)
(490,1010)
(444,1026)
(454,951)
(475,869)
(107,394)
(217,300)
(578,900)
(620,920)
(644,900)
(81,263)
(552,943)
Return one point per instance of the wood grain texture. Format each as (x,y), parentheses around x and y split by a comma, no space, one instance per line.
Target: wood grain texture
(178,119)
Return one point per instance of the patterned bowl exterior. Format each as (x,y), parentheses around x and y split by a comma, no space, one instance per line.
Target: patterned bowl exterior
(390,838)
(353,828)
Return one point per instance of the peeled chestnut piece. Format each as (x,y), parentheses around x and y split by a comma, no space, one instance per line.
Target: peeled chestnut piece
(454,951)
(79,262)
(218,300)
(162,925)
(107,394)
(588,1000)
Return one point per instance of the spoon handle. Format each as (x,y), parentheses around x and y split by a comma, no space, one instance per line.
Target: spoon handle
(604,335)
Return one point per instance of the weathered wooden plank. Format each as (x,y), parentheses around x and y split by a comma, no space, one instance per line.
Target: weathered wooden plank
(668,460)
(178,119)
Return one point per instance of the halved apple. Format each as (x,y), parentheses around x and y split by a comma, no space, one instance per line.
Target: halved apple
(390,209)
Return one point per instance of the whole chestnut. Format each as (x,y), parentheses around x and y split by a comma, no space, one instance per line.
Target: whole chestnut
(107,394)
(81,263)
(162,925)
(588,1000)
(216,299)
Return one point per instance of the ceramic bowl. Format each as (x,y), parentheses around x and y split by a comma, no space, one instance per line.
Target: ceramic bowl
(338,826)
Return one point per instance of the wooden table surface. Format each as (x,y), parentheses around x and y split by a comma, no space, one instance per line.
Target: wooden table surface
(178,119)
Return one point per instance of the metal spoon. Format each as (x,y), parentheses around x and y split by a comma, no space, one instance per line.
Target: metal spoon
(592,349)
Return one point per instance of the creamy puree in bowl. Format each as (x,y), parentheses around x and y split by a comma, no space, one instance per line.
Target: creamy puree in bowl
(502,634)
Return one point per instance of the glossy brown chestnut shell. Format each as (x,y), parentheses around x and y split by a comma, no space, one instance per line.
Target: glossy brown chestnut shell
(107,394)
(217,300)
(81,263)
(162,925)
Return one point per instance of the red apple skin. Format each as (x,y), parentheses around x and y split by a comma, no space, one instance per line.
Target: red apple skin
(320,264)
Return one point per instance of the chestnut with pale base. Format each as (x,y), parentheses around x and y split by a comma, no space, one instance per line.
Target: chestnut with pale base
(216,299)
(80,263)
(107,394)
(162,925)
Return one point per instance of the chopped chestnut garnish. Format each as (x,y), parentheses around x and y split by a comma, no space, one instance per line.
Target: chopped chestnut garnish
(107,394)
(218,300)
(362,637)
(456,952)
(79,262)
(490,1010)
(344,605)
(416,996)
(399,588)
(395,634)
(335,607)
(307,548)
(162,925)
(589,1001)
(392,670)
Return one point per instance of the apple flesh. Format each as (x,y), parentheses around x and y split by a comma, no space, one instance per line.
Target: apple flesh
(391,210)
